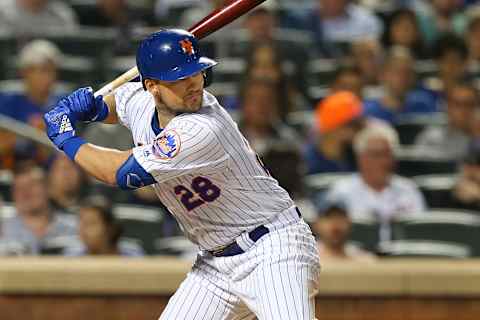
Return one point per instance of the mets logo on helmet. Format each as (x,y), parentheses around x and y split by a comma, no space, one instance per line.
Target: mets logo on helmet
(167,145)
(187,47)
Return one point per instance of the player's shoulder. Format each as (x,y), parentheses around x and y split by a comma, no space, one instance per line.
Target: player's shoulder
(130,89)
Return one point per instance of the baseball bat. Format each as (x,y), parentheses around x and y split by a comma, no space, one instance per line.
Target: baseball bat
(211,23)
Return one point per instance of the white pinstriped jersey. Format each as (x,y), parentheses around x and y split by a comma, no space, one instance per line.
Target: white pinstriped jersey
(208,176)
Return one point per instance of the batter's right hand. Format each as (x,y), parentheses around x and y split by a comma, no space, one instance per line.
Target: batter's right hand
(84,106)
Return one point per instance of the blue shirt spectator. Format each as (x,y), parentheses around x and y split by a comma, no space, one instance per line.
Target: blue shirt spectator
(398,93)
(34,228)
(338,119)
(318,163)
(18,239)
(19,107)
(38,62)
(417,101)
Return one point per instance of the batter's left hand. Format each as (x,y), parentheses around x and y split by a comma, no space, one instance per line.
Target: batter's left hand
(85,106)
(60,124)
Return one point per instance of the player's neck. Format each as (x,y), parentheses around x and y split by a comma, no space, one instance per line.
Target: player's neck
(164,116)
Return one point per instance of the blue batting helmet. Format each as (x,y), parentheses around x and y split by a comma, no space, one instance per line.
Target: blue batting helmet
(170,55)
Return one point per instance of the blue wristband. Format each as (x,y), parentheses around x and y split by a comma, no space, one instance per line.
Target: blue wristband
(71,146)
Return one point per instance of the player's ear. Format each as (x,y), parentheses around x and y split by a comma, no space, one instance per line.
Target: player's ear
(207,77)
(151,86)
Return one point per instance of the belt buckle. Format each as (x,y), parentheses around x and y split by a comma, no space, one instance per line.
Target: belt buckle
(219,251)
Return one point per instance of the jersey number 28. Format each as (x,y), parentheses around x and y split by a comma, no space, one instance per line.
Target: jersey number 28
(202,191)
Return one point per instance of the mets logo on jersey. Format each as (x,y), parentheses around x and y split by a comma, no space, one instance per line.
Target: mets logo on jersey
(187,47)
(167,145)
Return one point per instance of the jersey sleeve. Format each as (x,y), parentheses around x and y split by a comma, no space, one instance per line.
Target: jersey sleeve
(122,96)
(180,150)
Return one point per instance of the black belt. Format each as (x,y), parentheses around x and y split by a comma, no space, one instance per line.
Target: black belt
(233,248)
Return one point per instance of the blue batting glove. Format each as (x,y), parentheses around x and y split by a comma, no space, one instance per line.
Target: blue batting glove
(84,106)
(60,124)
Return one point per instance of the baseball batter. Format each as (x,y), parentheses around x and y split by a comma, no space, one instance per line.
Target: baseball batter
(257,256)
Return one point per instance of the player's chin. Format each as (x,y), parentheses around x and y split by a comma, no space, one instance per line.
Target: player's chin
(193,104)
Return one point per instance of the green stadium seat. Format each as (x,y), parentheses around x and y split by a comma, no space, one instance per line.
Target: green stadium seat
(141,224)
(414,161)
(365,234)
(408,127)
(448,225)
(321,182)
(436,188)
(423,248)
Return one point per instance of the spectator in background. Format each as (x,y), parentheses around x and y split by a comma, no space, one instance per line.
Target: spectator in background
(348,79)
(260,30)
(114,14)
(466,192)
(367,56)
(399,93)
(36,228)
(100,232)
(473,42)
(451,55)
(452,141)
(276,143)
(266,63)
(441,16)
(38,63)
(66,184)
(165,8)
(338,118)
(27,18)
(375,191)
(341,21)
(333,227)
(402,30)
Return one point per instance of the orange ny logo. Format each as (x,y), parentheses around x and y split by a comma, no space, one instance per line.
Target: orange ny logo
(187,47)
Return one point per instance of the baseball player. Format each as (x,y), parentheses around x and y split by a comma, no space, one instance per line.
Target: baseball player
(257,256)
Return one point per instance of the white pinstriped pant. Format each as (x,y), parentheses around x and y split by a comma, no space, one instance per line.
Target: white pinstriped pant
(275,279)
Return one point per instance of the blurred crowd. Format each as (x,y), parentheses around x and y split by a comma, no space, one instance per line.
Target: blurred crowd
(367,112)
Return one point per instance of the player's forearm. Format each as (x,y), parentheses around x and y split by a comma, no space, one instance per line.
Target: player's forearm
(102,163)
(112,112)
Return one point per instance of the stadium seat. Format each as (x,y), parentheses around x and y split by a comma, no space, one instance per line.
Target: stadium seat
(447,225)
(174,246)
(141,224)
(319,183)
(7,52)
(415,161)
(6,178)
(230,70)
(426,68)
(408,127)
(436,188)
(422,248)
(317,93)
(301,121)
(321,72)
(365,234)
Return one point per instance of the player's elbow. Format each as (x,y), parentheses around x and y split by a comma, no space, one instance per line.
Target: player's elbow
(131,175)
(110,179)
